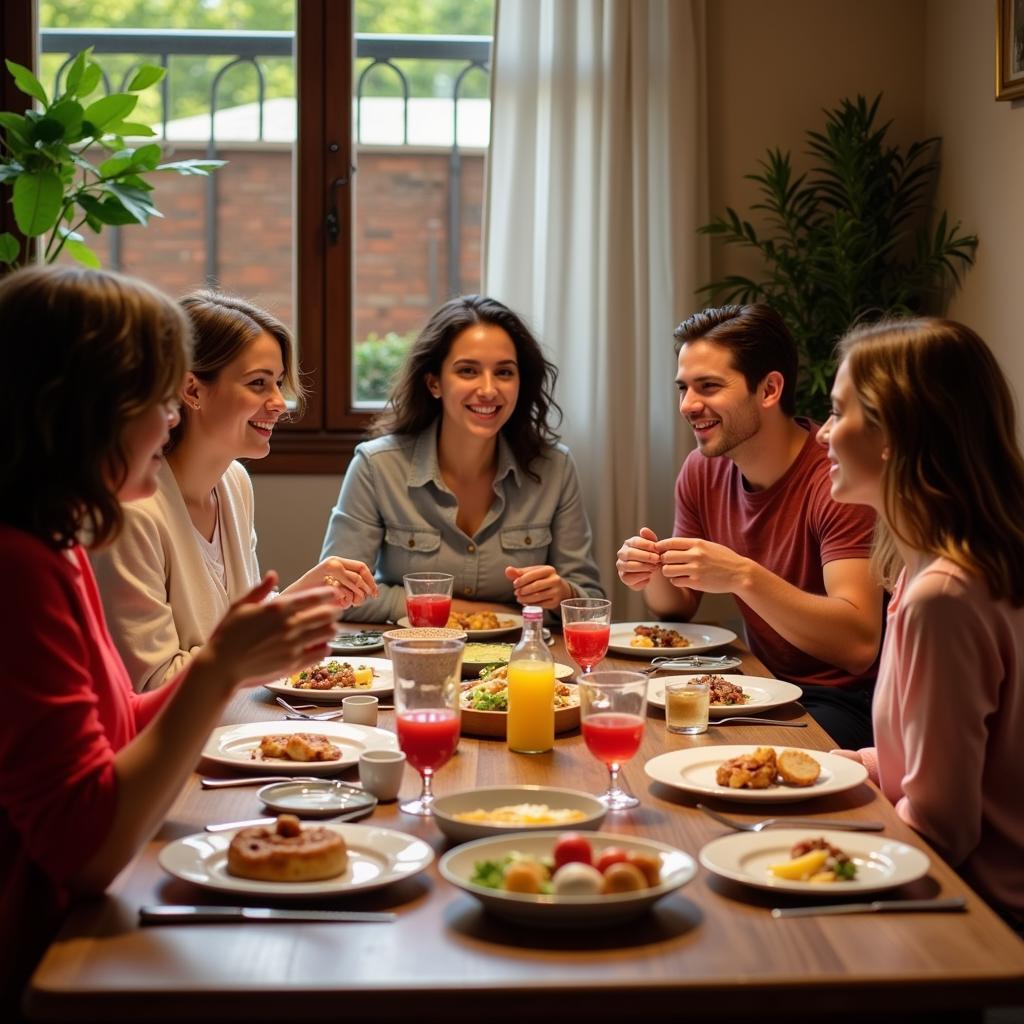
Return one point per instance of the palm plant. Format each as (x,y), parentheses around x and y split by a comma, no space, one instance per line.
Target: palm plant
(849,240)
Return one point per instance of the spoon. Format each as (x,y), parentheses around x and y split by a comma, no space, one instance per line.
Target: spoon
(740,720)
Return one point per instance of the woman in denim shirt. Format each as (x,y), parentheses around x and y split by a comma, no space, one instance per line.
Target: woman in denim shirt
(464,474)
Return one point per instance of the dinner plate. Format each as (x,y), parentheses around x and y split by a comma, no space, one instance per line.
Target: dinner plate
(359,642)
(763,694)
(457,865)
(376,857)
(881,863)
(515,625)
(383,682)
(233,746)
(692,770)
(315,798)
(702,638)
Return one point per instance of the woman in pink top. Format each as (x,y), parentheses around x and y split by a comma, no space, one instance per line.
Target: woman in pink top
(923,430)
(93,365)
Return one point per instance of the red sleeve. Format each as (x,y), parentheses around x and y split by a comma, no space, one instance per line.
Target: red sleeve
(57,782)
(688,521)
(844,531)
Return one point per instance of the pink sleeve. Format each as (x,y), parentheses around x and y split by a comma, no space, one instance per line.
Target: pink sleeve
(948,679)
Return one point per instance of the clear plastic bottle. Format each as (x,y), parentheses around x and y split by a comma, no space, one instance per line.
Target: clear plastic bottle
(531,689)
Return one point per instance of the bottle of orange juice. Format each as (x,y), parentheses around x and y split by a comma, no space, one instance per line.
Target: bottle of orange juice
(531,689)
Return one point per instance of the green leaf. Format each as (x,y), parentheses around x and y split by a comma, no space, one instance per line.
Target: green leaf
(74,79)
(10,171)
(109,109)
(200,167)
(134,200)
(91,77)
(27,82)
(82,253)
(69,113)
(147,75)
(17,128)
(110,211)
(47,129)
(9,248)
(37,202)
(133,129)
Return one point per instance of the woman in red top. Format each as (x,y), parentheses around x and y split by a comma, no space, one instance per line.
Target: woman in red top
(93,364)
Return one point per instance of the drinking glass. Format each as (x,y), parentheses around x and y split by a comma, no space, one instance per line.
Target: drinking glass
(428,597)
(613,705)
(686,705)
(586,626)
(427,675)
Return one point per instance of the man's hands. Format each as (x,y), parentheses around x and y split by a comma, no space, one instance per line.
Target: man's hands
(685,562)
(539,585)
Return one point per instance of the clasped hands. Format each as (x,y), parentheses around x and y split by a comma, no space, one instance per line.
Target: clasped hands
(686,562)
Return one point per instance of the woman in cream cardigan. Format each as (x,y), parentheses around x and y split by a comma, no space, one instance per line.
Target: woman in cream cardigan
(189,551)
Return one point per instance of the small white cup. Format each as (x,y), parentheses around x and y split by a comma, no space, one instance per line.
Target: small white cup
(381,771)
(360,709)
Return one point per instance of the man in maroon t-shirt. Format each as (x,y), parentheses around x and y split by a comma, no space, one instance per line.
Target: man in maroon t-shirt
(755,519)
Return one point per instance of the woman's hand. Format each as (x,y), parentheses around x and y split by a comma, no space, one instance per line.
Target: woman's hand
(352,581)
(259,640)
(539,585)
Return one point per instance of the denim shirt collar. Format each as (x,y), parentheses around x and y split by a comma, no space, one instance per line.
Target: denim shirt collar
(425,469)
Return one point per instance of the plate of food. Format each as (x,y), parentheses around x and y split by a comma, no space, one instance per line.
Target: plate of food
(498,810)
(480,625)
(294,747)
(756,774)
(652,639)
(539,879)
(321,859)
(358,642)
(332,680)
(484,704)
(731,695)
(819,863)
(478,656)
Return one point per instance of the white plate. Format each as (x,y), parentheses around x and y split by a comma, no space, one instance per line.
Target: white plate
(383,682)
(376,857)
(881,863)
(764,694)
(232,746)
(489,797)
(348,650)
(693,771)
(702,638)
(677,868)
(515,626)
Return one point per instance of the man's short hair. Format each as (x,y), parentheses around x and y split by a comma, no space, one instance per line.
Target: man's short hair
(757,339)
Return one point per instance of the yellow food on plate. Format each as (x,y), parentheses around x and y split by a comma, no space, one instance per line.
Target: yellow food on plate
(521,814)
(333,675)
(477,620)
(641,641)
(798,769)
(800,869)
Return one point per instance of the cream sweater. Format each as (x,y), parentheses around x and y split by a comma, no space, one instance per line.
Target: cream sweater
(160,600)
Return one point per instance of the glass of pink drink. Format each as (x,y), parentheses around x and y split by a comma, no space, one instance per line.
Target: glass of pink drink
(427,675)
(613,706)
(428,597)
(586,625)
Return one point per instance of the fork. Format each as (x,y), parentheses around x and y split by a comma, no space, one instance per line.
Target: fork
(760,826)
(294,712)
(740,720)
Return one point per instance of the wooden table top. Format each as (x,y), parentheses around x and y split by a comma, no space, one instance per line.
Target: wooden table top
(711,948)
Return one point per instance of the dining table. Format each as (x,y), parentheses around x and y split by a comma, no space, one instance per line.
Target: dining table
(712,950)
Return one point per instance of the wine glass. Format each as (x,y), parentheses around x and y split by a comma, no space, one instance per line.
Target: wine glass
(586,626)
(427,675)
(428,597)
(613,705)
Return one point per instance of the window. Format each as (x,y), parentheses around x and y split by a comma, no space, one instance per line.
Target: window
(351,203)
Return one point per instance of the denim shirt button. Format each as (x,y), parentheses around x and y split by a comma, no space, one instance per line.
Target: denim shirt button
(468,591)
(527,540)
(412,542)
(471,548)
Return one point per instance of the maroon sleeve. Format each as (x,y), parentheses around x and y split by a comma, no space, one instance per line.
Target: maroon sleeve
(57,782)
(688,521)
(844,531)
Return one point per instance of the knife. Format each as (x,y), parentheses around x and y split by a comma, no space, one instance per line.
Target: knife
(188,914)
(954,903)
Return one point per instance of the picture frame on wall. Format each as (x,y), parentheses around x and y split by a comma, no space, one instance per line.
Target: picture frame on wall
(1009,49)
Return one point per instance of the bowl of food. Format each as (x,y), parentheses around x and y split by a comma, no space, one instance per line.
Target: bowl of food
(499,810)
(484,703)
(421,633)
(539,879)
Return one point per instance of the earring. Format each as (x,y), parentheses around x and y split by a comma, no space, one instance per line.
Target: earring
(195,405)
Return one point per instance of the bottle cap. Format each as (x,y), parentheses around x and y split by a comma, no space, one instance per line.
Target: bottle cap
(531,611)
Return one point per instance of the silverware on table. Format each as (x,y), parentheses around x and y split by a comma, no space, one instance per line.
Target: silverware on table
(691,661)
(188,914)
(823,823)
(294,712)
(743,720)
(227,826)
(256,780)
(952,903)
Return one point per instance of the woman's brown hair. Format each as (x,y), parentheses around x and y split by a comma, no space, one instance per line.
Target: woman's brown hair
(86,351)
(411,408)
(224,325)
(953,484)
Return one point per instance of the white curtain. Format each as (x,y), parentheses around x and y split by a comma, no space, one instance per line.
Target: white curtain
(596,185)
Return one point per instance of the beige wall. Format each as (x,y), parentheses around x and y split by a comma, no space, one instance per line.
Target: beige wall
(982,180)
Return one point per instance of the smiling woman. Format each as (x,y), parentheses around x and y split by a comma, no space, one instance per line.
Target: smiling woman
(188,552)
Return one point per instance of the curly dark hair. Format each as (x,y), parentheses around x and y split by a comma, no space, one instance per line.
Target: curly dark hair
(86,352)
(223,326)
(411,408)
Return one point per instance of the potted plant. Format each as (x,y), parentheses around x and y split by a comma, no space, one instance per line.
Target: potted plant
(56,184)
(854,238)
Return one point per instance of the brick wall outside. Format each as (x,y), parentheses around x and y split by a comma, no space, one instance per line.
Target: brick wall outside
(401,226)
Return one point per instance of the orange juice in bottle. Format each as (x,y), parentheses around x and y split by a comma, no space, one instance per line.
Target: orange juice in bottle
(531,689)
